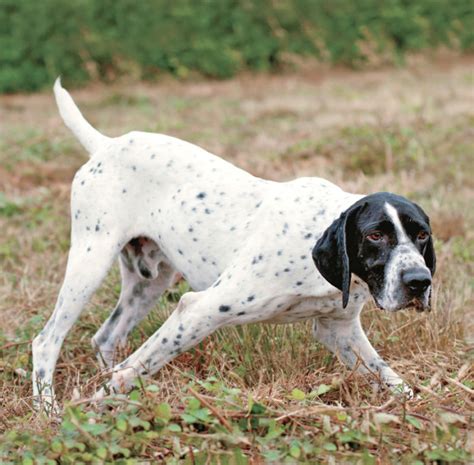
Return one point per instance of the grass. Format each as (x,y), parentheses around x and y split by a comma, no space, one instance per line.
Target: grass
(254,394)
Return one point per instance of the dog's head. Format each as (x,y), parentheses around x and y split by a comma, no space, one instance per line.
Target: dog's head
(385,240)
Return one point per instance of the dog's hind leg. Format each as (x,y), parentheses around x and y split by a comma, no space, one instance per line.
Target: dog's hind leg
(138,295)
(89,261)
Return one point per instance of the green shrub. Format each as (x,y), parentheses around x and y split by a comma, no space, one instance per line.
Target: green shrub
(83,39)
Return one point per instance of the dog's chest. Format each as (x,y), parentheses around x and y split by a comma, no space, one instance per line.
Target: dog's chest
(307,307)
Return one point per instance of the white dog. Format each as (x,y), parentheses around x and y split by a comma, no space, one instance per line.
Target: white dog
(248,247)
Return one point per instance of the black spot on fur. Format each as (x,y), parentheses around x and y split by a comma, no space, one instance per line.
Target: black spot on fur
(224,308)
(115,314)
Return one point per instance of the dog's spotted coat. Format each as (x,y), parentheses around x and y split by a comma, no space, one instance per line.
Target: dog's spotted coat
(245,245)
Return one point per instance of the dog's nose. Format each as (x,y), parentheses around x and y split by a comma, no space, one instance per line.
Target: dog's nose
(417,280)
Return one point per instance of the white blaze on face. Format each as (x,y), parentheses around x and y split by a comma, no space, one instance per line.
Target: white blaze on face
(404,256)
(393,215)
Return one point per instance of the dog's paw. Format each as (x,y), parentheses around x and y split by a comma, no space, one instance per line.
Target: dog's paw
(402,389)
(47,405)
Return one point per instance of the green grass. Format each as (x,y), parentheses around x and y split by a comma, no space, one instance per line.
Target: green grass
(260,393)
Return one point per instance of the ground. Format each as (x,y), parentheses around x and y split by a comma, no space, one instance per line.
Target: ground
(263,393)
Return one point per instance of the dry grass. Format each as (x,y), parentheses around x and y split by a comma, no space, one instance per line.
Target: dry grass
(409,131)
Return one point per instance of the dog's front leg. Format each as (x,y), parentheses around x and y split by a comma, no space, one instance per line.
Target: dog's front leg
(346,338)
(198,314)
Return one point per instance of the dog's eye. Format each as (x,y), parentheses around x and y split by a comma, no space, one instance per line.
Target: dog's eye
(422,235)
(375,236)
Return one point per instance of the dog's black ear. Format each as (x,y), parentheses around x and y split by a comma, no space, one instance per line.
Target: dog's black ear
(331,254)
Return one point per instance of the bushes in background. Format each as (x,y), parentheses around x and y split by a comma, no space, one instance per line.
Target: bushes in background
(84,39)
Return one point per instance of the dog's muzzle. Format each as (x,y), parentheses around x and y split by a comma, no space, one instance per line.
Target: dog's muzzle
(417,282)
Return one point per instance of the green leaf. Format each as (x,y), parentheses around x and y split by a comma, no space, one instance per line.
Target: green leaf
(272,455)
(322,389)
(342,416)
(258,409)
(295,451)
(188,418)
(152,388)
(174,428)
(95,429)
(202,414)
(121,425)
(193,404)
(56,446)
(101,452)
(298,394)
(414,421)
(329,446)
(163,411)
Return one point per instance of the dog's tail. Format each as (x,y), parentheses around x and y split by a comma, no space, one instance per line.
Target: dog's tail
(89,137)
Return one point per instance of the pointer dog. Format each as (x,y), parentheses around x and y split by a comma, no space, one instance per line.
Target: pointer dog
(252,250)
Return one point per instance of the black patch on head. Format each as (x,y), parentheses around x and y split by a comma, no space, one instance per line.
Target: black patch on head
(413,226)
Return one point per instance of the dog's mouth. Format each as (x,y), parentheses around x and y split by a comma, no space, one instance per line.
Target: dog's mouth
(418,304)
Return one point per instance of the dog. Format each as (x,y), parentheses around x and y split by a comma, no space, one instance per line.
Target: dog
(252,250)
